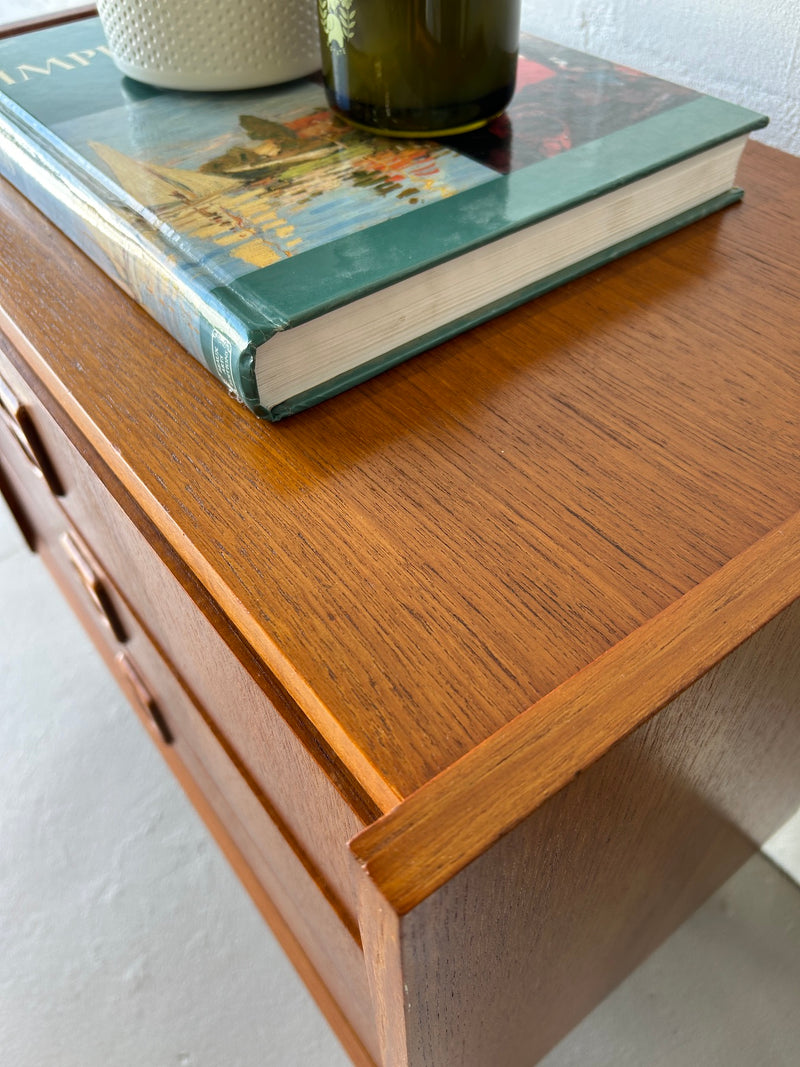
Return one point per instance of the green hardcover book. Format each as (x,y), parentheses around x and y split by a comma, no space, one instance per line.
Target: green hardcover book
(296,256)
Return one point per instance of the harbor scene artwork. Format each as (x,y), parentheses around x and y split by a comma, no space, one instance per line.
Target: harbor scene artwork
(227,183)
(232,183)
(200,190)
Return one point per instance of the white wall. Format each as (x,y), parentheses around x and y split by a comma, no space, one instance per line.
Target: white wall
(746,51)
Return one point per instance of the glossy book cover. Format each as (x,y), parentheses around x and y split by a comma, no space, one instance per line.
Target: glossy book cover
(233,216)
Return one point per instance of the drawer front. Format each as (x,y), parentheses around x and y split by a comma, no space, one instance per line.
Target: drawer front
(247,714)
(180,730)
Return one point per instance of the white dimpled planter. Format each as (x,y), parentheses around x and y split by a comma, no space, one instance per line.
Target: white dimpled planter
(212,44)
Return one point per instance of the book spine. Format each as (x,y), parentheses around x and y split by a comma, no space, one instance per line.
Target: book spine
(212,329)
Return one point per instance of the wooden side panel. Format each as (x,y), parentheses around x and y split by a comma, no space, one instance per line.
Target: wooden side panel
(498,964)
(380,930)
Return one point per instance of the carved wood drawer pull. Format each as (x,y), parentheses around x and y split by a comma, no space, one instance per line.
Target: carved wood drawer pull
(92,581)
(142,698)
(23,429)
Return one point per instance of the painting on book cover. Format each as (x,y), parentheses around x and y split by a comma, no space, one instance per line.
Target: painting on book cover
(233,182)
(564,99)
(239,181)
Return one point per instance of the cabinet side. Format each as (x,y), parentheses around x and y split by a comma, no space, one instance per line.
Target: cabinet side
(501,961)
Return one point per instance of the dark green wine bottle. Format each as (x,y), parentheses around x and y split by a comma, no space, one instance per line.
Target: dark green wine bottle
(419,67)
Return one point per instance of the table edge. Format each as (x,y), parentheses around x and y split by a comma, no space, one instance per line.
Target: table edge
(437,831)
(41,22)
(424,839)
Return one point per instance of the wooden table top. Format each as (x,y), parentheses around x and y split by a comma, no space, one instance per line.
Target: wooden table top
(425,559)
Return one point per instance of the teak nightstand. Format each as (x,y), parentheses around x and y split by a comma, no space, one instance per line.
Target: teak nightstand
(484,674)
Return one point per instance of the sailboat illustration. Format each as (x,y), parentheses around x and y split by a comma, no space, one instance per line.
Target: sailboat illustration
(282,188)
(151,184)
(204,206)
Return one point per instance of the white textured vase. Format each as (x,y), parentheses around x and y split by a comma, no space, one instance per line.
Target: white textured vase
(212,44)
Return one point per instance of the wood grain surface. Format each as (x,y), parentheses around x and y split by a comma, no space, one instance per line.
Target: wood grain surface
(529,602)
(509,954)
(426,840)
(264,854)
(254,728)
(423,558)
